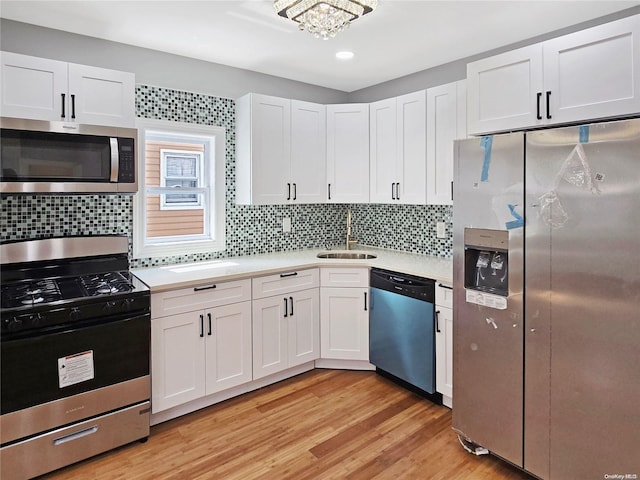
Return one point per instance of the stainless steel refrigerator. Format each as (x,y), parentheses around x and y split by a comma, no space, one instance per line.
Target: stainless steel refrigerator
(547,299)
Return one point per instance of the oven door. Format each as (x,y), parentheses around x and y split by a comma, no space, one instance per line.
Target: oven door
(73,373)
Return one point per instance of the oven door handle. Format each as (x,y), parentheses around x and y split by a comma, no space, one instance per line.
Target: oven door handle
(75,436)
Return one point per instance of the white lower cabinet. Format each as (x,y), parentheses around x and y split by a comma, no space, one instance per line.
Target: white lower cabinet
(344,307)
(200,352)
(286,326)
(444,342)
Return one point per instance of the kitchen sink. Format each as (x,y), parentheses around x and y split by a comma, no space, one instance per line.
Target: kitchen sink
(347,255)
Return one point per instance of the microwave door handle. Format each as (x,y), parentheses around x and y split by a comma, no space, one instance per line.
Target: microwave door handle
(115,160)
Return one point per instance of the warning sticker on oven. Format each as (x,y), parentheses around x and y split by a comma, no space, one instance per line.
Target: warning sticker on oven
(75,368)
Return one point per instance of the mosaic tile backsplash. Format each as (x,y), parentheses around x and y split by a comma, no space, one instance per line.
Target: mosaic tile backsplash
(249,229)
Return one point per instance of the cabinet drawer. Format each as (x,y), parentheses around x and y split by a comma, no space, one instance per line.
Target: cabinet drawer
(344,277)
(285,282)
(200,297)
(444,295)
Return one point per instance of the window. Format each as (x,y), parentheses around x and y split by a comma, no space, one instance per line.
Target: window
(181,168)
(180,205)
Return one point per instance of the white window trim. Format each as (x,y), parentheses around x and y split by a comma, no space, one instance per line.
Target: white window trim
(185,245)
(163,178)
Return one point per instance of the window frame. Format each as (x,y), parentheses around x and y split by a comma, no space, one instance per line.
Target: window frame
(214,160)
(200,172)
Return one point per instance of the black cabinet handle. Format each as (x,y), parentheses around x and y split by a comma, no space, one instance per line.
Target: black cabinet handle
(437,321)
(285,275)
(295,191)
(393,195)
(201,326)
(398,191)
(63,104)
(365,301)
(288,191)
(291,312)
(445,286)
(538,97)
(73,106)
(286,308)
(199,289)
(329,191)
(452,190)
(548,107)
(209,319)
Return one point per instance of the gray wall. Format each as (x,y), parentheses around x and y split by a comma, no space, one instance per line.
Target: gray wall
(166,70)
(152,67)
(457,70)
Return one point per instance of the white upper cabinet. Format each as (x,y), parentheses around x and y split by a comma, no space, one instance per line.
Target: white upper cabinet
(398,149)
(42,89)
(280,151)
(504,91)
(594,73)
(263,155)
(308,152)
(587,75)
(382,150)
(348,153)
(446,122)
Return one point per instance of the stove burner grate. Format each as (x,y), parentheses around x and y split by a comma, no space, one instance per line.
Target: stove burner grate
(31,293)
(106,284)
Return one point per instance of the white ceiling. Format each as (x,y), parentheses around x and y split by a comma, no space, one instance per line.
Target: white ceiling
(397,39)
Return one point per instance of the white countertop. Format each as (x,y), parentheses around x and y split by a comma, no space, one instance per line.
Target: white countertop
(170,277)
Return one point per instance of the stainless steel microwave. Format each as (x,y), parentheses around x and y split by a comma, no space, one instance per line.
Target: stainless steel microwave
(59,157)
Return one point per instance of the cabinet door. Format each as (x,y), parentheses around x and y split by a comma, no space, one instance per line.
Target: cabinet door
(412,148)
(308,152)
(502,91)
(383,133)
(344,324)
(269,156)
(444,351)
(33,87)
(177,360)
(348,153)
(270,348)
(98,96)
(441,132)
(594,73)
(228,340)
(303,332)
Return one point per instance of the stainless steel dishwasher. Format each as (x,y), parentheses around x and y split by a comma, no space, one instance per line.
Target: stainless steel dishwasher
(401,327)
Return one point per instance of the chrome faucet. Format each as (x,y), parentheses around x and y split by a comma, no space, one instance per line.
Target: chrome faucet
(349,240)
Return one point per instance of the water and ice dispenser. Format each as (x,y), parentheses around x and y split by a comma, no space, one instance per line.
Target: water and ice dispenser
(486,255)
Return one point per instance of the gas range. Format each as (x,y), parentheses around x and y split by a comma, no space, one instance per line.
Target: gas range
(75,347)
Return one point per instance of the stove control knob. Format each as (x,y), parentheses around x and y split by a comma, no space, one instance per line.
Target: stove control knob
(74,314)
(128,304)
(35,319)
(108,306)
(14,323)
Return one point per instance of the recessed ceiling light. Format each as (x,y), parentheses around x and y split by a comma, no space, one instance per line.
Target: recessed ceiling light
(344,55)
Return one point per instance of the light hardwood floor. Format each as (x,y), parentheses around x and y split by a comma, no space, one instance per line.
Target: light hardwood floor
(324,424)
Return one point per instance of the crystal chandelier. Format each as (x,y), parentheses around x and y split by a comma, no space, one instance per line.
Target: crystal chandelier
(323,18)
